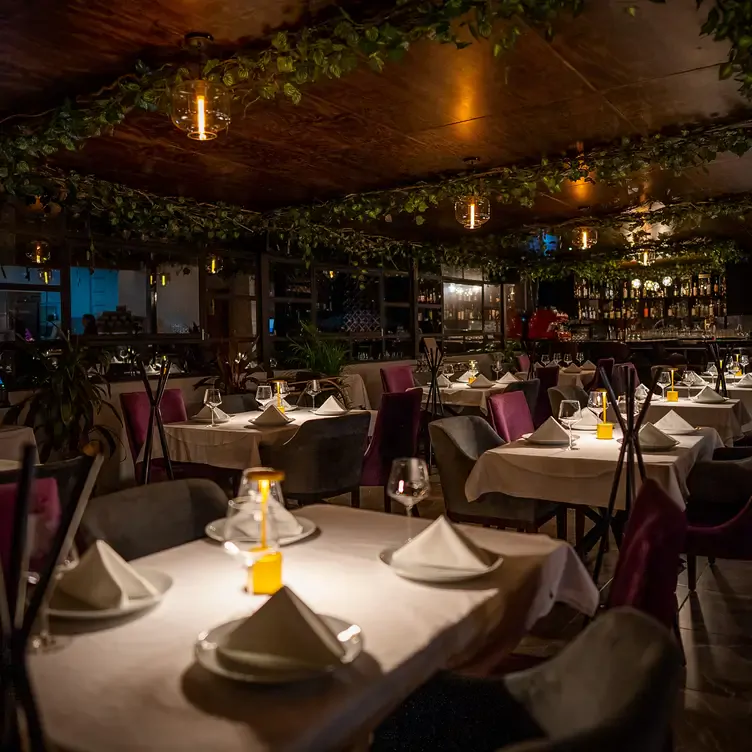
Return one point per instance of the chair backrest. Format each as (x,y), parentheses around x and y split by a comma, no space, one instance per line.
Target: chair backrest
(608,366)
(620,377)
(135,408)
(530,388)
(523,361)
(648,566)
(233,404)
(628,706)
(549,376)
(324,458)
(143,520)
(394,435)
(510,415)
(457,443)
(397,378)
(556,394)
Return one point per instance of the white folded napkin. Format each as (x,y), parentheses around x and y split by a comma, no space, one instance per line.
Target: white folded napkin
(672,422)
(708,396)
(271,417)
(588,365)
(551,430)
(284,633)
(587,420)
(694,379)
(330,407)
(104,580)
(572,368)
(641,392)
(653,438)
(507,378)
(481,382)
(745,381)
(465,377)
(285,524)
(205,412)
(443,381)
(443,545)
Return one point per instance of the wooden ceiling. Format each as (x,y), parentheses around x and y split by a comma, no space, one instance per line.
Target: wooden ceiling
(605,75)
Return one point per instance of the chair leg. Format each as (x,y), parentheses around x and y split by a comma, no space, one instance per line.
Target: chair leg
(677,634)
(414,512)
(561,522)
(579,525)
(387,502)
(692,572)
(355,498)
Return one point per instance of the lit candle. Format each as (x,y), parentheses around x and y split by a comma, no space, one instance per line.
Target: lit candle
(264,493)
(584,240)
(201,117)
(472,216)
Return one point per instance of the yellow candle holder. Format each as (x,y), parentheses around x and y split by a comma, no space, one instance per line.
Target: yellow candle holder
(672,395)
(280,405)
(265,576)
(604,431)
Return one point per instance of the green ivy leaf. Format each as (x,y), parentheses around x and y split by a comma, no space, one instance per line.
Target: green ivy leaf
(292,92)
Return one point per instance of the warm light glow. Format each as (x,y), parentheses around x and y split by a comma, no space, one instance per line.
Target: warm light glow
(636,283)
(201,108)
(214,264)
(472,216)
(39,252)
(472,211)
(667,281)
(46,276)
(201,116)
(584,238)
(645,258)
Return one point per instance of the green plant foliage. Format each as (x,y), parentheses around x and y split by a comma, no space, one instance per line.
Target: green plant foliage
(71,392)
(319,354)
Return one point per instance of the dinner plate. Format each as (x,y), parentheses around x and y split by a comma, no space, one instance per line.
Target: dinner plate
(215,531)
(208,656)
(544,442)
(697,402)
(655,450)
(252,421)
(590,427)
(217,421)
(436,574)
(328,414)
(682,432)
(64,606)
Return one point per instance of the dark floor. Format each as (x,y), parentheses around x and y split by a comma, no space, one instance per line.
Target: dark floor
(715,708)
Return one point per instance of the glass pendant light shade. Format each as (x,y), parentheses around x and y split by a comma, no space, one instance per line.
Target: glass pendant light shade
(45,276)
(584,238)
(214,264)
(39,252)
(472,211)
(201,108)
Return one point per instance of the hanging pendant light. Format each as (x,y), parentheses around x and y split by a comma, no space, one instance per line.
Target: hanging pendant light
(584,237)
(472,211)
(45,276)
(200,108)
(159,279)
(214,264)
(39,252)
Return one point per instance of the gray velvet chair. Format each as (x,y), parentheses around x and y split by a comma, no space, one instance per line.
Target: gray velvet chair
(233,404)
(720,482)
(613,689)
(323,459)
(530,388)
(457,444)
(556,394)
(146,519)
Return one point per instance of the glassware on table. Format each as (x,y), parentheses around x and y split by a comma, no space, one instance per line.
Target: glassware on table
(264,394)
(557,359)
(497,368)
(744,361)
(313,388)
(408,484)
(212,399)
(545,359)
(250,532)
(568,359)
(664,380)
(448,370)
(570,412)
(598,405)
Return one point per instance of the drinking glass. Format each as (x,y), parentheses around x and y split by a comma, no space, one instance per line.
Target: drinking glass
(664,380)
(545,359)
(557,359)
(213,399)
(264,394)
(570,412)
(568,359)
(595,403)
(448,370)
(313,389)
(497,368)
(408,484)
(245,537)
(744,362)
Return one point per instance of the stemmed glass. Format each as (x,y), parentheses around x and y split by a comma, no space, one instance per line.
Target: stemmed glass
(595,403)
(264,394)
(497,368)
(557,359)
(568,359)
(664,380)
(408,484)
(448,370)
(313,389)
(570,412)
(545,359)
(744,362)
(212,399)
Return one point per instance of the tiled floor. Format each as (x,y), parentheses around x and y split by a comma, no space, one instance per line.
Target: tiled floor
(715,709)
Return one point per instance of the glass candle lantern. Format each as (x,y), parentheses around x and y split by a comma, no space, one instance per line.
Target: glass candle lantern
(472,211)
(201,108)
(598,404)
(672,395)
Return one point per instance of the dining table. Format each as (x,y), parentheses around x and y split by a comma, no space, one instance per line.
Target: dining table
(585,475)
(13,439)
(235,443)
(135,684)
(463,395)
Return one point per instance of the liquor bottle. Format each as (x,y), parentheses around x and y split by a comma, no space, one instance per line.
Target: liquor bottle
(694,289)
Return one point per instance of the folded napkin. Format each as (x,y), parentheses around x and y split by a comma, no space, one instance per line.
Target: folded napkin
(708,396)
(443,381)
(443,545)
(572,368)
(588,420)
(641,392)
(103,580)
(286,525)
(205,412)
(551,430)
(507,378)
(588,365)
(331,407)
(465,377)
(653,438)
(694,379)
(481,382)
(285,634)
(271,417)
(672,422)
(745,381)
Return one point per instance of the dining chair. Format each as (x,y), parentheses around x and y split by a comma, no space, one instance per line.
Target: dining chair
(509,415)
(323,459)
(612,688)
(144,520)
(557,394)
(621,376)
(523,362)
(458,443)
(397,378)
(607,364)
(233,404)
(394,435)
(530,388)
(549,376)
(647,569)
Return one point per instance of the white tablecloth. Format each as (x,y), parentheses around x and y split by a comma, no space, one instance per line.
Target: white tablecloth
(12,441)
(463,395)
(134,687)
(584,476)
(234,444)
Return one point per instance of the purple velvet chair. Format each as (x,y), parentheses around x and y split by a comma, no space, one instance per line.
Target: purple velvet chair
(394,435)
(620,377)
(45,502)
(608,366)
(523,362)
(509,415)
(549,377)
(397,379)
(648,566)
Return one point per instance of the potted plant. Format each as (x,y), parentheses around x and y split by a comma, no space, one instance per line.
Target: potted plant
(70,390)
(235,370)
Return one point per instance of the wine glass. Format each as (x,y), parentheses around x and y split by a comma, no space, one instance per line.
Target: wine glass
(313,389)
(264,394)
(664,380)
(408,484)
(744,362)
(448,370)
(212,399)
(568,359)
(570,412)
(595,403)
(557,359)
(545,359)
